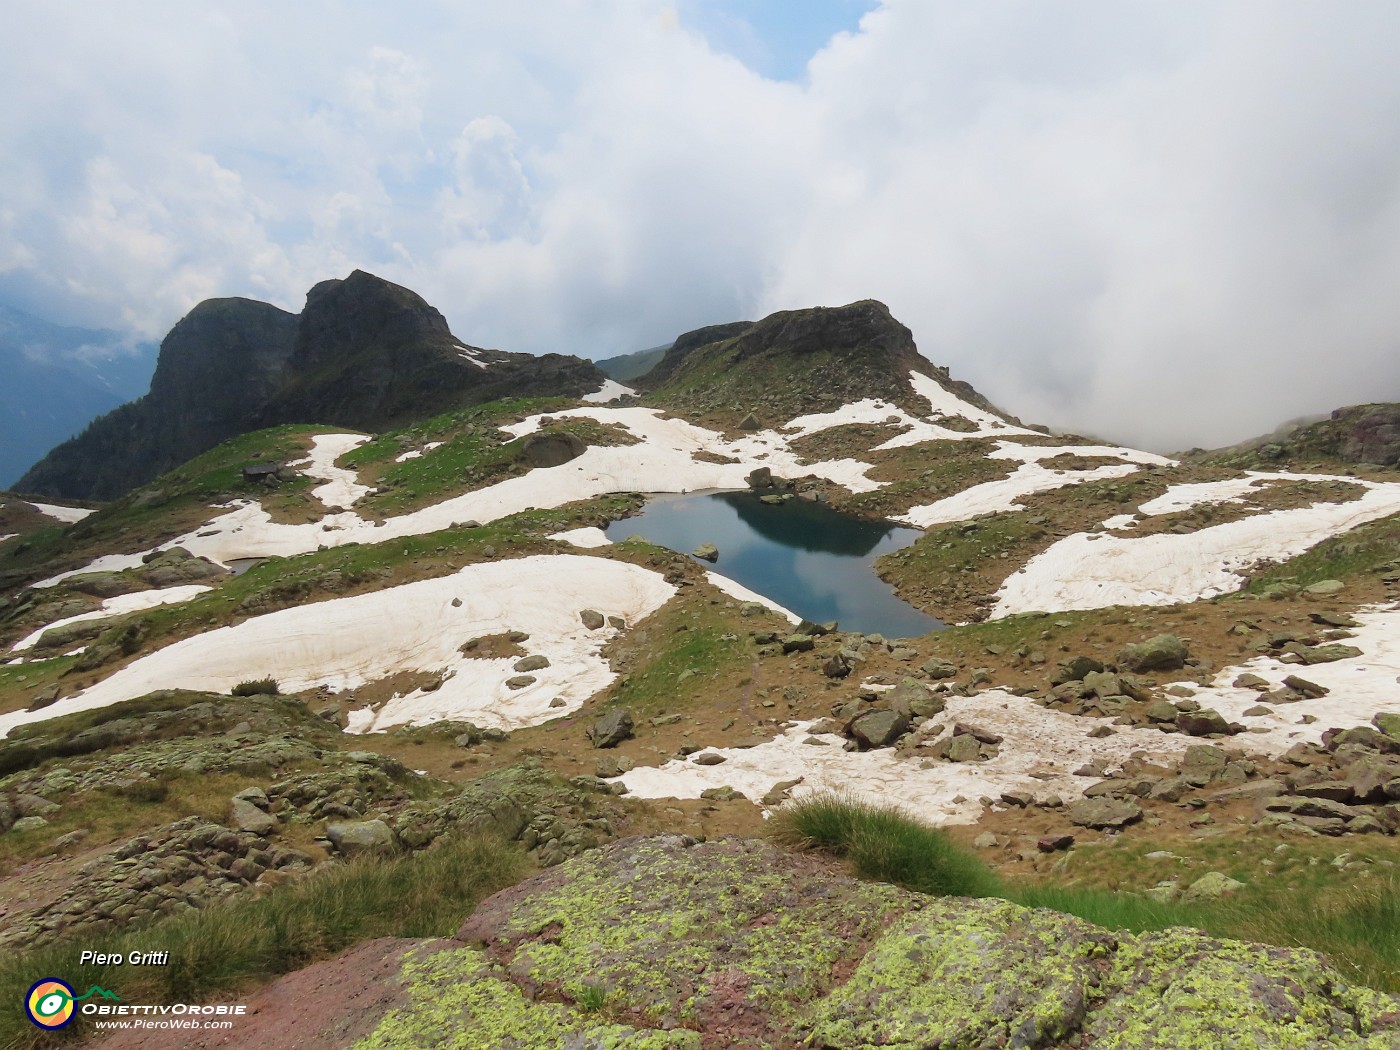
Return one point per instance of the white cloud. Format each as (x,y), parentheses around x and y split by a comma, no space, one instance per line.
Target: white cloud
(1173,224)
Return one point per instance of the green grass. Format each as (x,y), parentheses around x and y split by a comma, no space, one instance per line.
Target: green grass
(1358,928)
(886,845)
(166,506)
(230,947)
(1361,550)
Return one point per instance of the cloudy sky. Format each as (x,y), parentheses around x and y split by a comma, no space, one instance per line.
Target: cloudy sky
(1172,223)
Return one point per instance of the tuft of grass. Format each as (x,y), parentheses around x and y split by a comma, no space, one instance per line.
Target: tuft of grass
(886,844)
(256,687)
(231,946)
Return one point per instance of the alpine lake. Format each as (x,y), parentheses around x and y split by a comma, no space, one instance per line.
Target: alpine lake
(807,557)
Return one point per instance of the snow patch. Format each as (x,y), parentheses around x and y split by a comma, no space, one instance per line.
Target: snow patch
(588,536)
(67,515)
(136,601)
(609,391)
(1359,687)
(467,353)
(345,643)
(1035,740)
(1095,570)
(743,594)
(417,452)
(342,488)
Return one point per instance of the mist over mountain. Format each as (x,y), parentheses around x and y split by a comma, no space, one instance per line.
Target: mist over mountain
(56,380)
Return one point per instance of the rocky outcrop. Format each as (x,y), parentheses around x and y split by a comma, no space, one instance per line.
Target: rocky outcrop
(664,942)
(798,361)
(364,353)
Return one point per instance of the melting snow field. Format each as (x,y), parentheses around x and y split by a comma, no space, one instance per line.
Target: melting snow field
(1096,570)
(1036,740)
(1031,476)
(1360,686)
(348,642)
(1045,742)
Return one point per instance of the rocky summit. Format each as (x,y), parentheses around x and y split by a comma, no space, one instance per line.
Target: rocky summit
(364,353)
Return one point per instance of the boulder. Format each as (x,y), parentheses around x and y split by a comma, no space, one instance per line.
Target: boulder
(1211,886)
(706,552)
(355,837)
(750,422)
(552,450)
(611,729)
(592,619)
(836,667)
(938,669)
(760,478)
(1074,669)
(876,729)
(1100,813)
(245,816)
(1165,652)
(531,663)
(1203,722)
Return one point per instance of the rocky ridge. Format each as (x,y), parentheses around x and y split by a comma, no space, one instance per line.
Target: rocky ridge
(364,353)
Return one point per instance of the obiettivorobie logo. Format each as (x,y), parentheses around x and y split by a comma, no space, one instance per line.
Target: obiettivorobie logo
(51,1003)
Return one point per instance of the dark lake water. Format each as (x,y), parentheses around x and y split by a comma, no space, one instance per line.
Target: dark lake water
(805,556)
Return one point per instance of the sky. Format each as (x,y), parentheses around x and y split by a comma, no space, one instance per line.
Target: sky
(1170,223)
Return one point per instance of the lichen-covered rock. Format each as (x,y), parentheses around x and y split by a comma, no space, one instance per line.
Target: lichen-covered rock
(1165,652)
(663,943)
(362,836)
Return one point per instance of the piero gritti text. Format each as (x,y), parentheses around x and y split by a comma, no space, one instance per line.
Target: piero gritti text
(88,958)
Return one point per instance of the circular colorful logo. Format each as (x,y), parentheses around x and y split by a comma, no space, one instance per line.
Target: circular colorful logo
(50,1003)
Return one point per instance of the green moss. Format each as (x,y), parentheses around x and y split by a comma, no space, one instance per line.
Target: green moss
(964,973)
(457,1001)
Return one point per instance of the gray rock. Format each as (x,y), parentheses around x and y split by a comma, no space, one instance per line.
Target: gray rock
(938,669)
(531,663)
(29,824)
(1165,652)
(1100,813)
(798,643)
(964,749)
(1304,688)
(552,450)
(1202,723)
(245,816)
(592,619)
(760,478)
(27,805)
(362,836)
(836,667)
(1074,669)
(876,729)
(1211,886)
(611,729)
(520,681)
(706,552)
(708,758)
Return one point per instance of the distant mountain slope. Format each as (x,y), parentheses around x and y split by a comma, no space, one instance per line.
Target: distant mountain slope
(626,367)
(1356,435)
(57,379)
(364,353)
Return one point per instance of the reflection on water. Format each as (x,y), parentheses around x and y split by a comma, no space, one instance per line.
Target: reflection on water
(814,560)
